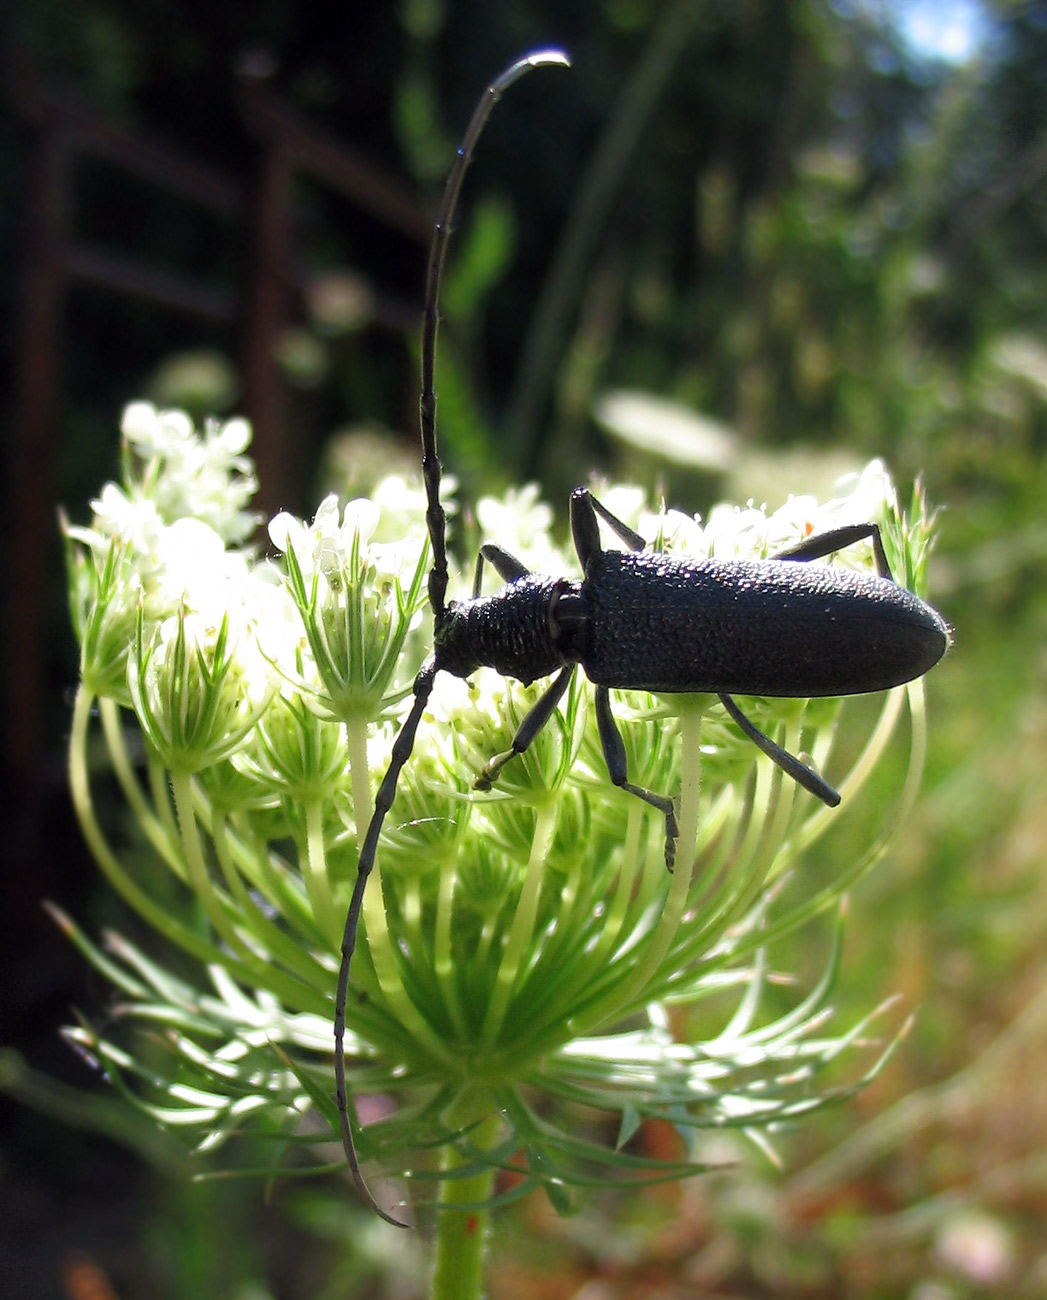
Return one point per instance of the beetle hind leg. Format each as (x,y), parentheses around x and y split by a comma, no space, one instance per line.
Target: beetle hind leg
(800,773)
(822,544)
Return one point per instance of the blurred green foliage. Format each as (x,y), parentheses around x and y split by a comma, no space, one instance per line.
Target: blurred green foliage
(818,237)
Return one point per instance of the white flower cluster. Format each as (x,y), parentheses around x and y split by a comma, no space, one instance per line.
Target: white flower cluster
(205,477)
(750,532)
(504,926)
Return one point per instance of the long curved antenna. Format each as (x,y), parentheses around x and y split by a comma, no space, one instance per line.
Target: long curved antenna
(404,743)
(436,523)
(431,315)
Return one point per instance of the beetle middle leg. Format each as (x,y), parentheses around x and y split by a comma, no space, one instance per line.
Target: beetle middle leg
(617,768)
(585,529)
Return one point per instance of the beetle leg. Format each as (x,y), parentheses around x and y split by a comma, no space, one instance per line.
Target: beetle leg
(835,540)
(532,724)
(507,566)
(626,534)
(800,773)
(586,530)
(614,756)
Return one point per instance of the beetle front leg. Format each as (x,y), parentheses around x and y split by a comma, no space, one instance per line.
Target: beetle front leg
(586,530)
(507,566)
(532,724)
(617,768)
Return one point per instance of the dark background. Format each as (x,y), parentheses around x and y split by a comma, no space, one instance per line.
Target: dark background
(806,229)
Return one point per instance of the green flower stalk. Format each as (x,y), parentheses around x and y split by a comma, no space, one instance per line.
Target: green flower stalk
(526,964)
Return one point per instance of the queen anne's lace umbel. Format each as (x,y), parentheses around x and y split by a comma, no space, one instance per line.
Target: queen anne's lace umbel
(520,952)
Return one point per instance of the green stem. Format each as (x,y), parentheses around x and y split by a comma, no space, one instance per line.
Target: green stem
(157,915)
(277,944)
(818,822)
(316,879)
(157,833)
(462,1229)
(829,896)
(222,912)
(627,993)
(199,878)
(518,942)
(443,950)
(624,890)
(679,888)
(374,918)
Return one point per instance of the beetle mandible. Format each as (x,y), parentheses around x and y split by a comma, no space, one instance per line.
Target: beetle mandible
(638,619)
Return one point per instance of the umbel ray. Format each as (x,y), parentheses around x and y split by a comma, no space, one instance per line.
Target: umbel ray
(638,620)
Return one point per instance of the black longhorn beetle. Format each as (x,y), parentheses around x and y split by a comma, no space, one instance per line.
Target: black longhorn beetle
(639,619)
